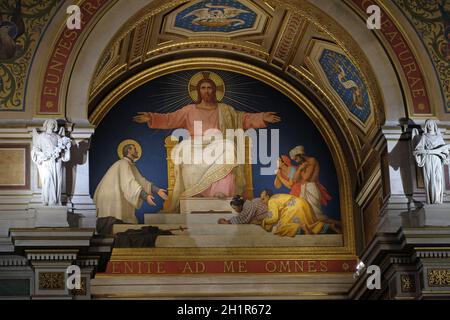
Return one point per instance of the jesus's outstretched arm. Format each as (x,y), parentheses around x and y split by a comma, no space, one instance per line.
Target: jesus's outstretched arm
(259,120)
(171,120)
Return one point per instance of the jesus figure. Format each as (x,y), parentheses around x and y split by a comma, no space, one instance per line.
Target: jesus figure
(206,179)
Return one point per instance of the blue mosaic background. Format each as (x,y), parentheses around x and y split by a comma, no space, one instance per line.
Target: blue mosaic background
(181,21)
(328,61)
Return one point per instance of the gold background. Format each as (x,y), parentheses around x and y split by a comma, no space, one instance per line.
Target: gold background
(12,166)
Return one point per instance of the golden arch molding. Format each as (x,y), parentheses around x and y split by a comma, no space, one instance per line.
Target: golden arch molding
(145,45)
(324,127)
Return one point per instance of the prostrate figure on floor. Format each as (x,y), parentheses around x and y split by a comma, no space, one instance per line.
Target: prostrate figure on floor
(432,154)
(50,150)
(249,211)
(123,189)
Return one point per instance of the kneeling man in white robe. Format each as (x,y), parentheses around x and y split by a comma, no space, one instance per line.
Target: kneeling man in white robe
(123,189)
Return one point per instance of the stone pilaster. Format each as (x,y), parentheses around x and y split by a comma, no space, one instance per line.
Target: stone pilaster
(413,261)
(41,260)
(82,210)
(16,277)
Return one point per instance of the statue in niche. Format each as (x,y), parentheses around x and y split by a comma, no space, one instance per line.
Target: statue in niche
(432,154)
(50,149)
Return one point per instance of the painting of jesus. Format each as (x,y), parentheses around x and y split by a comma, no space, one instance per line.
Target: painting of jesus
(207,179)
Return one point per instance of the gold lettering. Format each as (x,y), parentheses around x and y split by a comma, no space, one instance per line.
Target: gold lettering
(323,266)
(298,266)
(149,266)
(114,266)
(128,268)
(414,81)
(55,65)
(408,57)
(386,23)
(242,266)
(228,266)
(399,43)
(65,44)
(89,8)
(312,266)
(51,91)
(285,266)
(187,267)
(160,267)
(198,265)
(410,67)
(59,53)
(70,34)
(391,35)
(366,3)
(52,78)
(272,265)
(418,93)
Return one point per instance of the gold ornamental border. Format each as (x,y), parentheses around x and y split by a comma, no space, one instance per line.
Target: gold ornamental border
(304,8)
(71,59)
(396,64)
(213,254)
(300,100)
(232,294)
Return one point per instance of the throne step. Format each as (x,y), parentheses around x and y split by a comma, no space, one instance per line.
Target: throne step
(185,218)
(204,204)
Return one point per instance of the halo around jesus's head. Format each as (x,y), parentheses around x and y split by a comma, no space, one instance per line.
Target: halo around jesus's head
(220,85)
(127,142)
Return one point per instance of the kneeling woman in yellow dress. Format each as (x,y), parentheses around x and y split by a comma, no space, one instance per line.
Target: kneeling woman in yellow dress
(288,215)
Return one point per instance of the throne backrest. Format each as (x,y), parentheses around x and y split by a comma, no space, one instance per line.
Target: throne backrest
(170,143)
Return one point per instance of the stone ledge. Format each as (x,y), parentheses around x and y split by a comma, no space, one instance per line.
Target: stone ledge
(200,229)
(308,286)
(12,260)
(51,237)
(207,204)
(185,218)
(217,241)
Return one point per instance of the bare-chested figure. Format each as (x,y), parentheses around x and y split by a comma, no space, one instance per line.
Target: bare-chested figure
(305,183)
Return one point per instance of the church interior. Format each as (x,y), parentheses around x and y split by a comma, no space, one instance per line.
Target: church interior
(340,110)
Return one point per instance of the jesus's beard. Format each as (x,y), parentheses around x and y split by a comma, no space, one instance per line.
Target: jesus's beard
(208,99)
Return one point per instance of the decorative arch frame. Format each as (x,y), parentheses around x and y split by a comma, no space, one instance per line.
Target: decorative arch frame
(344,28)
(299,99)
(357,151)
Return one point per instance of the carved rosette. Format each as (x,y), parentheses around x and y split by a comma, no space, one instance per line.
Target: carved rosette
(408,283)
(51,281)
(438,277)
(82,291)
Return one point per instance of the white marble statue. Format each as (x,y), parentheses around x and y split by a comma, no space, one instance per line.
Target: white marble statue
(432,154)
(50,149)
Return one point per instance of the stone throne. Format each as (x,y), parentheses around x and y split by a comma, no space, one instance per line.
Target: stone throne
(203,204)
